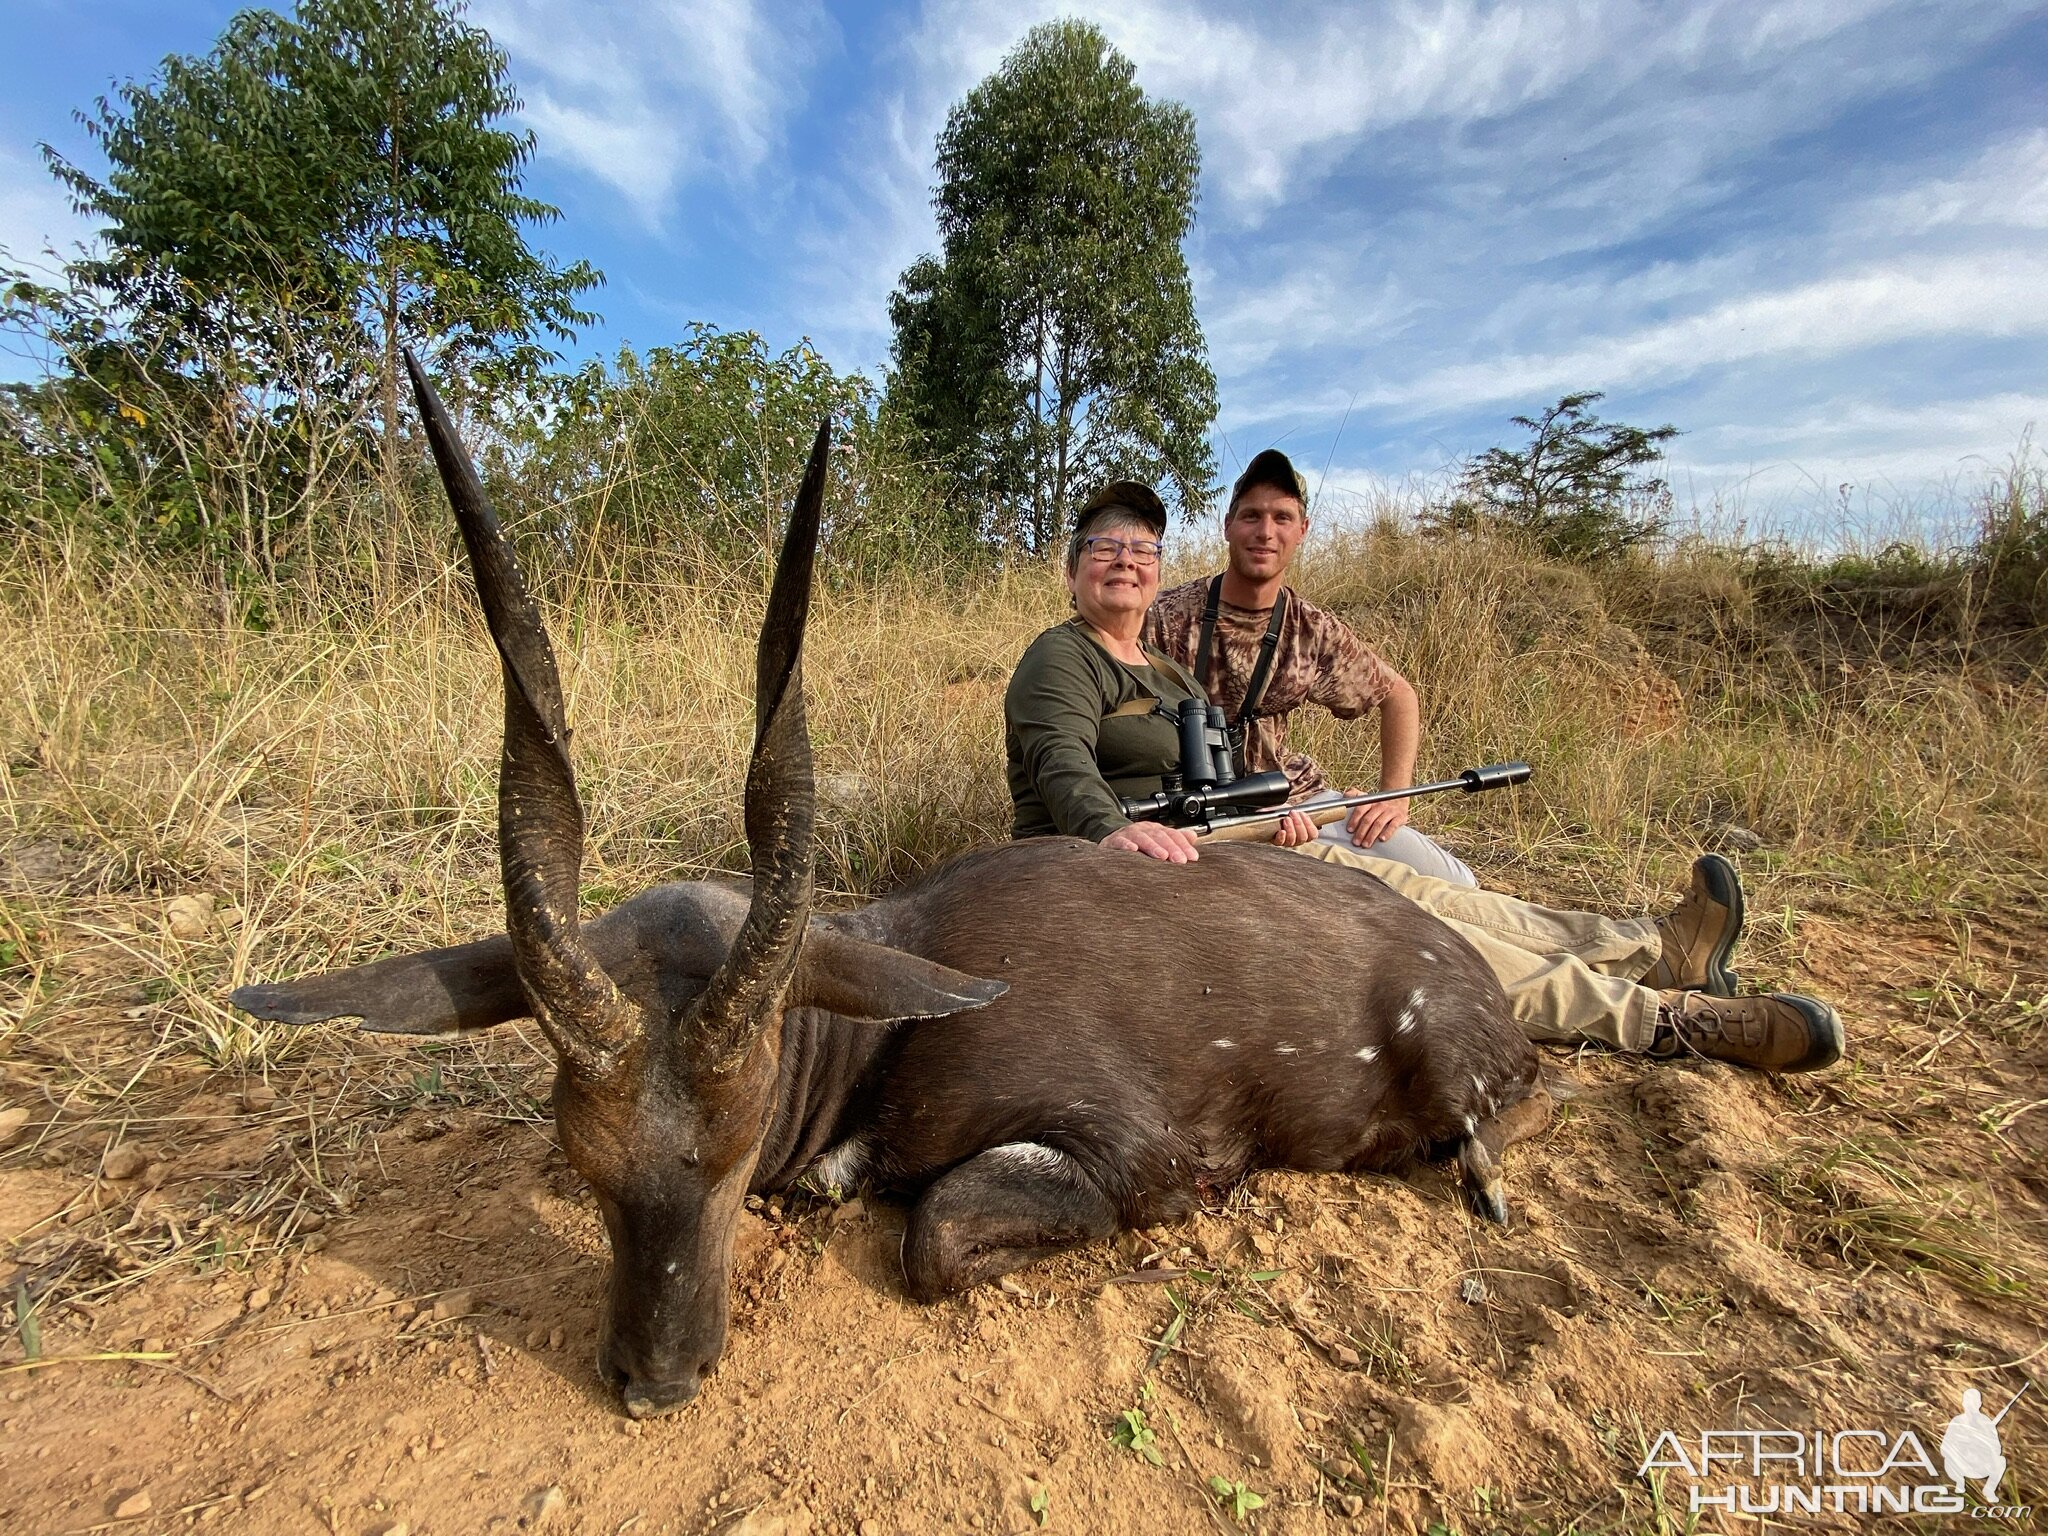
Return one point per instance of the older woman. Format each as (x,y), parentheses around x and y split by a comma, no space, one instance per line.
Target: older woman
(1083,714)
(1085,727)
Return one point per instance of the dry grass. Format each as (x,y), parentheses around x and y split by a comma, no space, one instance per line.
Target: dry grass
(323,763)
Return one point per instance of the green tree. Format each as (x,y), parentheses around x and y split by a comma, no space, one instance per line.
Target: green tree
(1578,489)
(703,444)
(347,161)
(1053,341)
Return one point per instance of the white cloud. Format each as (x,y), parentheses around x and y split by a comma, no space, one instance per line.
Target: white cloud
(2005,188)
(650,98)
(1993,294)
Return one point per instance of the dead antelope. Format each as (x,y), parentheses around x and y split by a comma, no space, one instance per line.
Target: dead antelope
(1041,1042)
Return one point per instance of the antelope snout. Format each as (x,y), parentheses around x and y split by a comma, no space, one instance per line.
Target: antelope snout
(648,1390)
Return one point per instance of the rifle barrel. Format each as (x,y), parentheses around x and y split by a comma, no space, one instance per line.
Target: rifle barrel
(1259,825)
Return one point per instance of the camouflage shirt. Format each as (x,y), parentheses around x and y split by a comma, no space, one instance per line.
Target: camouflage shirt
(1318,661)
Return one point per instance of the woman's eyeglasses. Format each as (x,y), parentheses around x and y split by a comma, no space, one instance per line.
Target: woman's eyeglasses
(1104,548)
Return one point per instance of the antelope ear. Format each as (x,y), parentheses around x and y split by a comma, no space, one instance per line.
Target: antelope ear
(875,984)
(440,992)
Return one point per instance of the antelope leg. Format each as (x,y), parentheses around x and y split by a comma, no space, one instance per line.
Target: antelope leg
(1479,1154)
(999,1211)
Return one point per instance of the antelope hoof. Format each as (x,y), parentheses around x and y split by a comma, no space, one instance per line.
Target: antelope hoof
(1482,1181)
(1490,1201)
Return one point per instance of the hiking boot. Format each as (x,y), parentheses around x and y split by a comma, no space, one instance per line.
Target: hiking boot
(1781,1032)
(1699,933)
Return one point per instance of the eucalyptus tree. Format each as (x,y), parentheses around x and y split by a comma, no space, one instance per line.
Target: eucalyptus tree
(1053,342)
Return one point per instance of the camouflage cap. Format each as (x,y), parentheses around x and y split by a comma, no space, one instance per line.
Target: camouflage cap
(1273,468)
(1132,496)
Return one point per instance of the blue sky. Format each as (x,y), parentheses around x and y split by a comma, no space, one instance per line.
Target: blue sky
(1811,234)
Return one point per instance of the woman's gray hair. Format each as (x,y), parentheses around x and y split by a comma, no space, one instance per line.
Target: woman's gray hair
(1105,520)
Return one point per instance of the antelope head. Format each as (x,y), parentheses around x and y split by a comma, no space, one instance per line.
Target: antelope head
(665,1015)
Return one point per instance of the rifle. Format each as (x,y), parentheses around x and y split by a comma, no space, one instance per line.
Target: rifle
(1259,826)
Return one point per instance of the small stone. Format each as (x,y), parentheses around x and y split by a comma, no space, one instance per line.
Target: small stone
(124,1162)
(189,917)
(259,1298)
(537,1338)
(540,1505)
(391,1528)
(1352,1505)
(133,1505)
(258,1097)
(1472,1289)
(316,1242)
(556,1338)
(1344,1355)
(453,1304)
(11,1122)
(853,1210)
(1733,837)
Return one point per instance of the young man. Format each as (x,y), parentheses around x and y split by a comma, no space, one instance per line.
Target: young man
(1656,985)
(1262,651)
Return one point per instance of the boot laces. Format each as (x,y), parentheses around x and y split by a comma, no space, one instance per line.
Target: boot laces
(1737,1020)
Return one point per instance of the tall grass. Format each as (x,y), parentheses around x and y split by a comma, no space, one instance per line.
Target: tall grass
(321,754)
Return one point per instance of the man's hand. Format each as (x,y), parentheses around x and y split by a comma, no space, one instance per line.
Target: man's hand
(1176,845)
(1295,830)
(1373,824)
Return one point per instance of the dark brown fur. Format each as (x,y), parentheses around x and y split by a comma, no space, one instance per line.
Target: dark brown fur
(1041,1042)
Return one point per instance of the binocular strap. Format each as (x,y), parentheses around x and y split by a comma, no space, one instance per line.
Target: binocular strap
(1262,670)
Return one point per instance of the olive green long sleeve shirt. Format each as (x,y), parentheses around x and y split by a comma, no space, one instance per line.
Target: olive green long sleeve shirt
(1072,755)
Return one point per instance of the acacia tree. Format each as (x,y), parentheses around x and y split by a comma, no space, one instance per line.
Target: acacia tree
(1578,489)
(348,161)
(1053,341)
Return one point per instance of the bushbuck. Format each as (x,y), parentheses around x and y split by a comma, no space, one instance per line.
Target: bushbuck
(1039,1043)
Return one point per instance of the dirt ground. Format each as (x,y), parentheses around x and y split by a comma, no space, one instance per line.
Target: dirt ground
(357,1293)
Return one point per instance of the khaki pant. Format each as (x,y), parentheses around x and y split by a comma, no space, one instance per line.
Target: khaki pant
(1569,976)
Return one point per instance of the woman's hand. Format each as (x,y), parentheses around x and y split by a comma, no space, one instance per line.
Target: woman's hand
(1176,845)
(1296,830)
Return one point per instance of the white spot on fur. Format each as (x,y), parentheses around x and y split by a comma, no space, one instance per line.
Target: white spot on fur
(842,1165)
(1427,955)
(1480,1084)
(1028,1155)
(1368,1053)
(1224,1045)
(1283,1050)
(1471,1126)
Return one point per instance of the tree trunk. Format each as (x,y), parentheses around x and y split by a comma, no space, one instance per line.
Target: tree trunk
(390,317)
(1037,429)
(1063,424)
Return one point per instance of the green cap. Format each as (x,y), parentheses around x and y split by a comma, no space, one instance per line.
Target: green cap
(1272,468)
(1132,496)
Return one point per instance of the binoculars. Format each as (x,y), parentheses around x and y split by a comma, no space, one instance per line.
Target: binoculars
(1207,784)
